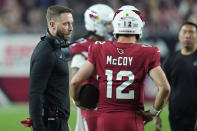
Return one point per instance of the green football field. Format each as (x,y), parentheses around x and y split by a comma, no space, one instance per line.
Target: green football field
(11,115)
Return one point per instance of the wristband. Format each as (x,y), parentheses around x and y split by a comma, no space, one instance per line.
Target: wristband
(154,112)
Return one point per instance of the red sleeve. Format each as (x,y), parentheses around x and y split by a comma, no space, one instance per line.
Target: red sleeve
(76,49)
(155,59)
(91,55)
(81,47)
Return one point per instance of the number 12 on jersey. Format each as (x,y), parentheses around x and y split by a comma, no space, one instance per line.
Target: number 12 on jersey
(120,88)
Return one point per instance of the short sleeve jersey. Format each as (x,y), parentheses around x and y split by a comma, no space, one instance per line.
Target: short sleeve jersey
(81,48)
(122,69)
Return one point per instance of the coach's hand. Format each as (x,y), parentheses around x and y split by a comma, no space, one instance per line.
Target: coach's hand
(157,123)
(147,116)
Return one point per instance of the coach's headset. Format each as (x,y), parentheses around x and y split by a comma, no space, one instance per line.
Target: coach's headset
(57,41)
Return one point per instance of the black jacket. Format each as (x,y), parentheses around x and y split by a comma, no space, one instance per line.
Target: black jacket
(181,72)
(49,81)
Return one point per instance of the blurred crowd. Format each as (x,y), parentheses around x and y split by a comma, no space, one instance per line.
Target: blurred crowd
(162,17)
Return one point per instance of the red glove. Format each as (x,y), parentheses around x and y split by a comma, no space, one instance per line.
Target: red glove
(27,123)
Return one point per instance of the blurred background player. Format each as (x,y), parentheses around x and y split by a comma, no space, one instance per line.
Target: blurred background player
(98,20)
(122,67)
(181,71)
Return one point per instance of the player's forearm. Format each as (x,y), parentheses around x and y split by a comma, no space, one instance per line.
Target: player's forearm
(84,72)
(74,89)
(74,71)
(74,86)
(159,78)
(161,97)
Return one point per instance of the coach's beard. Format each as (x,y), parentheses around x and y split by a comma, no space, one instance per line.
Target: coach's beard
(64,36)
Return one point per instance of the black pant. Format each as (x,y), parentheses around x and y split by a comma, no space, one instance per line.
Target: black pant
(54,119)
(181,124)
(58,124)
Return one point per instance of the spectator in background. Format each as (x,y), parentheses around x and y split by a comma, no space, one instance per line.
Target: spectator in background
(122,68)
(34,17)
(181,71)
(98,19)
(49,102)
(11,17)
(161,16)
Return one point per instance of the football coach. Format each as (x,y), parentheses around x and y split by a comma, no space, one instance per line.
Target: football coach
(49,103)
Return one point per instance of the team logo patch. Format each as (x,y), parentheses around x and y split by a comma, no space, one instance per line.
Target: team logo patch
(120,51)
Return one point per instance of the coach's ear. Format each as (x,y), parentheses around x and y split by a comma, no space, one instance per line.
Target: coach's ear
(52,24)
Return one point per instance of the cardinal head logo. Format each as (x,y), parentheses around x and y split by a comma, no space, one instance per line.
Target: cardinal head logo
(120,51)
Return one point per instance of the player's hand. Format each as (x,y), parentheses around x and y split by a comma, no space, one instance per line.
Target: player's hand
(83,108)
(78,104)
(157,123)
(147,116)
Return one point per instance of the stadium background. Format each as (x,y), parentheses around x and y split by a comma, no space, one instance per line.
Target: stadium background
(22,22)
